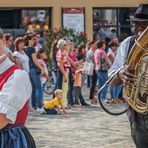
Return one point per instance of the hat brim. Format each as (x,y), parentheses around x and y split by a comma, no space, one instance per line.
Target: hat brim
(137,20)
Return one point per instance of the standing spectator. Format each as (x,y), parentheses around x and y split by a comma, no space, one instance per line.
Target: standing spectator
(35,71)
(88,77)
(112,53)
(107,40)
(20,55)
(80,52)
(79,100)
(88,44)
(115,40)
(54,51)
(90,58)
(101,66)
(74,62)
(45,36)
(81,55)
(114,91)
(113,32)
(41,58)
(8,41)
(63,68)
(38,46)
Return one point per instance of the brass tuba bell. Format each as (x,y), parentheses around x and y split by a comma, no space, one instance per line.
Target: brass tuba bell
(136,95)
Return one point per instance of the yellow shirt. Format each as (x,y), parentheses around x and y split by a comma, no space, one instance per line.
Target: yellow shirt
(53,103)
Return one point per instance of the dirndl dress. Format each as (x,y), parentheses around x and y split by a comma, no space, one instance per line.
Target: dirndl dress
(15,135)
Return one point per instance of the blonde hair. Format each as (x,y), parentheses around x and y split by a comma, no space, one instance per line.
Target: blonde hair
(57,91)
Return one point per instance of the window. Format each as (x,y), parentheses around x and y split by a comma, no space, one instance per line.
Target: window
(35,19)
(109,23)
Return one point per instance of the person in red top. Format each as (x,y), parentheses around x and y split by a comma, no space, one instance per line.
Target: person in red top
(62,62)
(15,90)
(63,68)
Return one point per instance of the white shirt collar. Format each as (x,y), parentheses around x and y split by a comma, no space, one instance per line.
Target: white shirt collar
(5,65)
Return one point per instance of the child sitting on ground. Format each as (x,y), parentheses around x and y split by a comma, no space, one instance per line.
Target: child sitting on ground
(78,98)
(55,106)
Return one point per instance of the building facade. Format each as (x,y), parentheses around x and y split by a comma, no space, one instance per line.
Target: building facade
(101,18)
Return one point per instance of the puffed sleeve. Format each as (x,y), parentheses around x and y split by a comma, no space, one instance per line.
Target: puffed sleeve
(14,94)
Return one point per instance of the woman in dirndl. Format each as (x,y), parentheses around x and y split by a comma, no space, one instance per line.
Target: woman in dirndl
(15,90)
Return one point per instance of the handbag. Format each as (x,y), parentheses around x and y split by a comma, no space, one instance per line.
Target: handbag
(88,68)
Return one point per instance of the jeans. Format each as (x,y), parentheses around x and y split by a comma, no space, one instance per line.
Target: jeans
(36,97)
(51,111)
(120,94)
(88,81)
(93,85)
(139,131)
(43,86)
(115,91)
(55,79)
(102,78)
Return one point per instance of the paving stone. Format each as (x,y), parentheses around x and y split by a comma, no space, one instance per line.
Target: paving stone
(88,127)
(85,128)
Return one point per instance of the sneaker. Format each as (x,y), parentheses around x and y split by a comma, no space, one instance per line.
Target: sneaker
(40,110)
(106,101)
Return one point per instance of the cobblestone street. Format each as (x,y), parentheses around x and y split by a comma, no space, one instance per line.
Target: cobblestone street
(85,127)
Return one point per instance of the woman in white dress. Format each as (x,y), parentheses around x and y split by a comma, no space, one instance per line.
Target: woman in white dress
(15,90)
(20,55)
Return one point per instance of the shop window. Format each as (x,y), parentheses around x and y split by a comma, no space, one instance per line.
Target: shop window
(109,23)
(105,17)
(36,19)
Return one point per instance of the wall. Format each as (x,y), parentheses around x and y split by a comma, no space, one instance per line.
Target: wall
(58,4)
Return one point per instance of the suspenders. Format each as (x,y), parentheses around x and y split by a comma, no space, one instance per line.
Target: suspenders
(132,41)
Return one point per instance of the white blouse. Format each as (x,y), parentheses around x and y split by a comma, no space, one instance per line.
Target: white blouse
(23,59)
(15,92)
(113,55)
(43,78)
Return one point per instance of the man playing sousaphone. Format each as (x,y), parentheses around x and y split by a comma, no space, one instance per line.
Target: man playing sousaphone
(126,75)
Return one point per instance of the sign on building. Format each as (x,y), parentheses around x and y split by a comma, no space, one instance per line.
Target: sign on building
(73,18)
